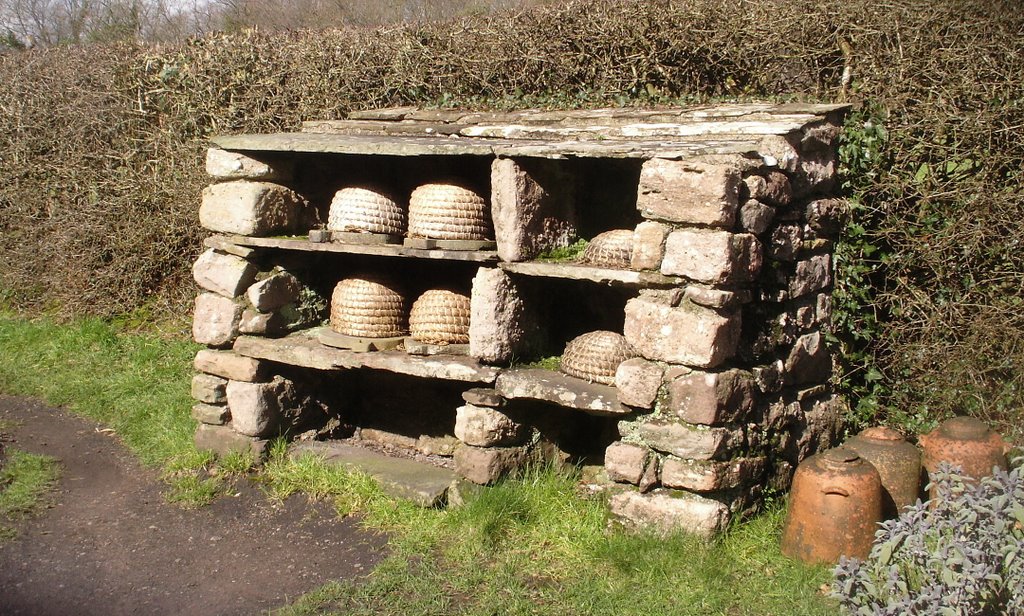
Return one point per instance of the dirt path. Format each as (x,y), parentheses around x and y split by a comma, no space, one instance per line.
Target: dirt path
(111,545)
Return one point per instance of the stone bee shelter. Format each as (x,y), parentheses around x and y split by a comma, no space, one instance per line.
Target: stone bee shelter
(381,290)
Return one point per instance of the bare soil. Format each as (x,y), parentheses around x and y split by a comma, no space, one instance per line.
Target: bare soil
(109,544)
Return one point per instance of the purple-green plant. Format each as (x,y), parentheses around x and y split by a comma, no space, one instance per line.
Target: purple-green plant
(960,554)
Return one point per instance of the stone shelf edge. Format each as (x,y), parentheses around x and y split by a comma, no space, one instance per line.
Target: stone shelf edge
(603,275)
(305,350)
(373,143)
(301,243)
(561,389)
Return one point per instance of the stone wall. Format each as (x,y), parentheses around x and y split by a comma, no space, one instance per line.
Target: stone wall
(725,301)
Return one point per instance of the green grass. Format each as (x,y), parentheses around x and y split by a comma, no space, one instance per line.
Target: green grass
(528,546)
(26,480)
(138,385)
(534,546)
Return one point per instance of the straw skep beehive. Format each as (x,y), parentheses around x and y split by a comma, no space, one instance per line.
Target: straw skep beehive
(610,249)
(448,212)
(368,307)
(360,209)
(440,316)
(595,356)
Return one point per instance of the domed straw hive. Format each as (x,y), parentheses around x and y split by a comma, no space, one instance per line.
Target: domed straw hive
(595,356)
(359,209)
(368,307)
(440,316)
(448,212)
(610,249)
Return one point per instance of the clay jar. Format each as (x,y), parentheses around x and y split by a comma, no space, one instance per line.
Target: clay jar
(834,507)
(898,464)
(965,442)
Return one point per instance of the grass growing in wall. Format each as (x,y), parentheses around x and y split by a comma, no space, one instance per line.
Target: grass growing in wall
(25,482)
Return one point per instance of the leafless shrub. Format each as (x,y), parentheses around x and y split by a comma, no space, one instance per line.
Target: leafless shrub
(101,147)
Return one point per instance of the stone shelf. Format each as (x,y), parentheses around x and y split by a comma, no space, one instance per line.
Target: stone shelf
(305,350)
(561,389)
(602,275)
(301,243)
(369,141)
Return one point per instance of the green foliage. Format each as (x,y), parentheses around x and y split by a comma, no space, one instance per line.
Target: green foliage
(571,252)
(138,385)
(193,492)
(26,480)
(553,362)
(859,263)
(535,546)
(960,553)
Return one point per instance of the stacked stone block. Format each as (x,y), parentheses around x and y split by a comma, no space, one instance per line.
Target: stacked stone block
(240,403)
(732,270)
(731,390)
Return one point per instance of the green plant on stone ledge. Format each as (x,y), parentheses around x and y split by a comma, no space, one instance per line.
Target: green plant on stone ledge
(564,254)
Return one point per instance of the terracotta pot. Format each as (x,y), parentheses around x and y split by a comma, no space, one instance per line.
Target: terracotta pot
(898,464)
(965,442)
(834,508)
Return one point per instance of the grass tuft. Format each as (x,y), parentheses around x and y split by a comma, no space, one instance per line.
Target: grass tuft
(26,480)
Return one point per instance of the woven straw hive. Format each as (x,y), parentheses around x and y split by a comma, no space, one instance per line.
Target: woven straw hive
(440,316)
(610,249)
(595,356)
(448,212)
(368,307)
(362,209)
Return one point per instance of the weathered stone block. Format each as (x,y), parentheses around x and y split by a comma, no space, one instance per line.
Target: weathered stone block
(209,389)
(230,365)
(712,397)
(216,319)
(823,309)
(390,439)
(486,465)
(712,298)
(482,426)
(222,440)
(250,208)
(224,165)
(480,396)
(257,409)
(772,188)
(561,389)
(711,476)
(213,414)
(827,216)
(648,245)
(638,381)
(262,323)
(691,441)
(712,256)
(437,445)
(756,217)
(687,334)
(689,192)
(271,293)
(500,326)
(784,242)
(811,275)
(533,207)
(809,361)
(626,462)
(668,511)
(223,274)
(769,376)
(809,162)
